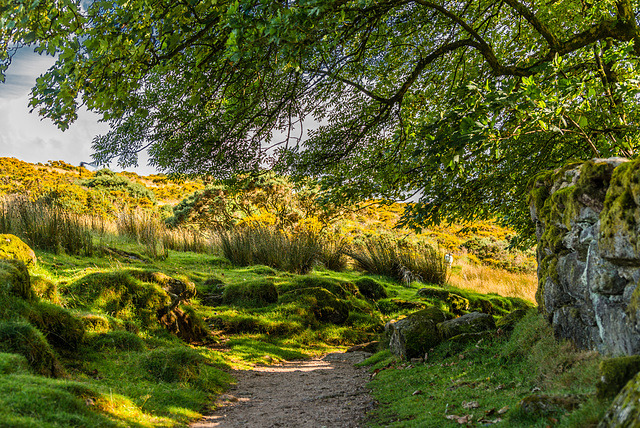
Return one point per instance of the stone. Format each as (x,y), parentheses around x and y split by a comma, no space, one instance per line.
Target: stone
(15,279)
(413,336)
(12,247)
(325,306)
(615,373)
(475,322)
(587,218)
(546,404)
(624,411)
(508,322)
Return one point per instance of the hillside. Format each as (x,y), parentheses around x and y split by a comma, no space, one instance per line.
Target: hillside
(135,308)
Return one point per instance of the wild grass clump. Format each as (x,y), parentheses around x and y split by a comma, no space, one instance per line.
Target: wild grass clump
(117,340)
(45,226)
(399,260)
(62,329)
(271,247)
(145,228)
(184,239)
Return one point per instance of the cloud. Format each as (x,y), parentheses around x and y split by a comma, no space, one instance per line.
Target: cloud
(25,136)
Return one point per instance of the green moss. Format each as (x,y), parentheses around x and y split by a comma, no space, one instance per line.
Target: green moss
(371,289)
(45,289)
(13,363)
(95,323)
(13,248)
(120,295)
(424,334)
(257,293)
(325,306)
(24,339)
(117,340)
(15,280)
(312,281)
(62,330)
(615,373)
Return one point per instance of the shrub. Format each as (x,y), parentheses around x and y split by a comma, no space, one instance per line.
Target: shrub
(24,339)
(260,292)
(399,260)
(110,181)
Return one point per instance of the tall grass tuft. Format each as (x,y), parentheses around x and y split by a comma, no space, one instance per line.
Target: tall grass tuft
(45,226)
(271,247)
(183,239)
(401,261)
(145,228)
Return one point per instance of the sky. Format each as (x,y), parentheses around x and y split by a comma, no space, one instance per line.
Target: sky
(25,136)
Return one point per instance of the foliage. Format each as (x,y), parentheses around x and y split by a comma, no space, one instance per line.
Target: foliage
(460,102)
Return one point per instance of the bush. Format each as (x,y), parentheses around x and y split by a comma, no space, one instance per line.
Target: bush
(24,339)
(107,180)
(399,260)
(257,293)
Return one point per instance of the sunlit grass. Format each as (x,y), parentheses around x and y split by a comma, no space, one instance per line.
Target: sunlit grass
(483,279)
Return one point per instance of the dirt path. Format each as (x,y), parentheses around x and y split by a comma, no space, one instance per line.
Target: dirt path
(325,392)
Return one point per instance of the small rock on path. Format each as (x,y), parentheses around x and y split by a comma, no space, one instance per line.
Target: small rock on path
(324,392)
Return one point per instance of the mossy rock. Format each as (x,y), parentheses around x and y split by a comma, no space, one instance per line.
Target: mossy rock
(117,340)
(263,270)
(615,373)
(13,248)
(474,322)
(95,323)
(509,321)
(182,290)
(456,303)
(175,365)
(15,280)
(185,323)
(45,290)
(371,289)
(13,364)
(325,306)
(624,411)
(313,281)
(121,296)
(433,293)
(413,336)
(19,337)
(256,293)
(62,330)
(545,405)
(471,337)
(389,306)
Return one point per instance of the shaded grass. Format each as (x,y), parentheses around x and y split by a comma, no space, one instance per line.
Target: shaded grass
(496,373)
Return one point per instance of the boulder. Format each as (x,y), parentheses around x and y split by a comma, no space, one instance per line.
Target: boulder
(475,322)
(371,289)
(615,373)
(15,279)
(587,218)
(413,336)
(12,247)
(624,412)
(325,306)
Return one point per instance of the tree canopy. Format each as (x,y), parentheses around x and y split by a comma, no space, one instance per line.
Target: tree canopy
(460,102)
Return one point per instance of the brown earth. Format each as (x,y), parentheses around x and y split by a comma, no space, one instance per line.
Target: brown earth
(323,392)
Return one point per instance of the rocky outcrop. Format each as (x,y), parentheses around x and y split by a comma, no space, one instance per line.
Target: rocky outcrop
(587,220)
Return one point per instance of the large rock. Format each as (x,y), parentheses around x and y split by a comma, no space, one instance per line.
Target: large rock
(475,322)
(624,412)
(587,220)
(414,335)
(12,247)
(15,279)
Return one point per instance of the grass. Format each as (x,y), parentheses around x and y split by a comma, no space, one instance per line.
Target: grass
(493,374)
